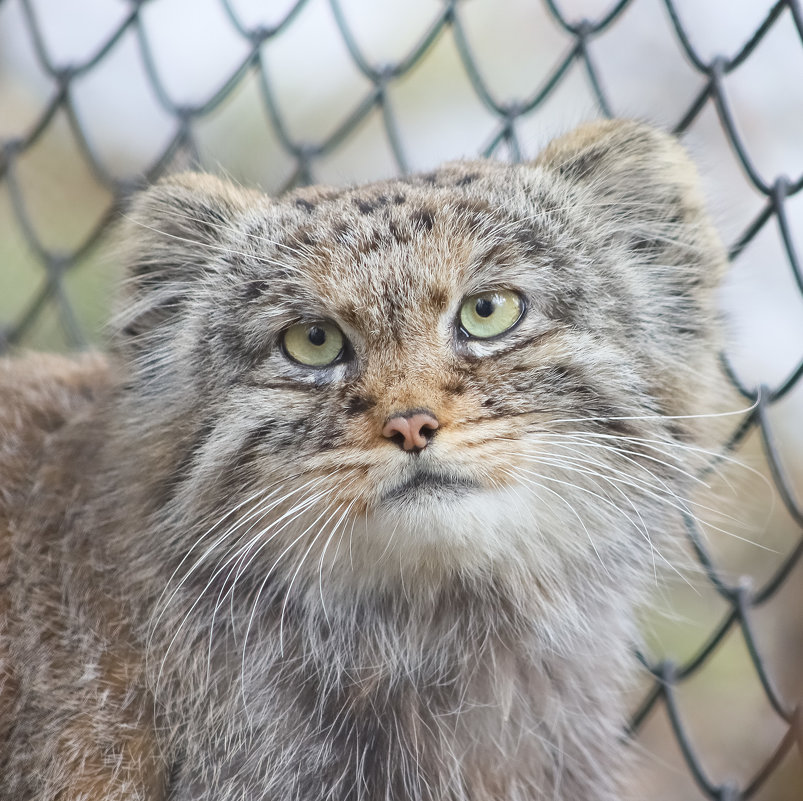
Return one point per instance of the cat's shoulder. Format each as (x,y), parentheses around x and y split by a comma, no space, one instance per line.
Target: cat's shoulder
(40,394)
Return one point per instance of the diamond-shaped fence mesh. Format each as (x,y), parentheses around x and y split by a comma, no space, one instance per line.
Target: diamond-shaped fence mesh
(98,98)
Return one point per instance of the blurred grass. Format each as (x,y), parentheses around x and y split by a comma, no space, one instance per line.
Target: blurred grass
(59,204)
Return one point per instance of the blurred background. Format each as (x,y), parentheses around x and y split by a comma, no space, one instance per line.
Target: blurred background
(99,96)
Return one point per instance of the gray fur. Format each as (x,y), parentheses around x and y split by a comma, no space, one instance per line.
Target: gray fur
(215,587)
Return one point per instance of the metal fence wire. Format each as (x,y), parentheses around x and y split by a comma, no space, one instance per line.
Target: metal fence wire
(55,264)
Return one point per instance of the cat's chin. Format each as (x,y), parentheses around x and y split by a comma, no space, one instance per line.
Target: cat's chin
(430,519)
(428,487)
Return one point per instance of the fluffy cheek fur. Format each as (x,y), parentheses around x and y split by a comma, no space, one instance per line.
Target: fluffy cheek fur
(543,453)
(492,493)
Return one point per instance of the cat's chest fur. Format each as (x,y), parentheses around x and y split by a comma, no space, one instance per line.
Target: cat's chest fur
(481,712)
(363,501)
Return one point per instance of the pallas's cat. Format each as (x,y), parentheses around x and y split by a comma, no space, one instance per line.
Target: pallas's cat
(363,498)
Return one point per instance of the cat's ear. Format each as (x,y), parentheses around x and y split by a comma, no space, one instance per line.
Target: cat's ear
(173,234)
(640,183)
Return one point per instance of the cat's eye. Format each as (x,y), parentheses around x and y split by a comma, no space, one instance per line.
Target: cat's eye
(316,344)
(489,314)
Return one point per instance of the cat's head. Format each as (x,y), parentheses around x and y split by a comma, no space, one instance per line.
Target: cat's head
(484,365)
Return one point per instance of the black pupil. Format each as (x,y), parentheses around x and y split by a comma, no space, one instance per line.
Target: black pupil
(316,335)
(484,307)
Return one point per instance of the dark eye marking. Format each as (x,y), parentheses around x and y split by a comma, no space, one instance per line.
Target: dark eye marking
(593,401)
(291,384)
(357,404)
(532,341)
(457,387)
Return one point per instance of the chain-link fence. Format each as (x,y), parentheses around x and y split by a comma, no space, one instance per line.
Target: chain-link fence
(49,237)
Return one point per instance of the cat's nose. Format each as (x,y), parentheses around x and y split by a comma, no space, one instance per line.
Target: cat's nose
(411,430)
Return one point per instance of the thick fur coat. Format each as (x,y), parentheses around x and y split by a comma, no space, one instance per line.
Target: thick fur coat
(219,578)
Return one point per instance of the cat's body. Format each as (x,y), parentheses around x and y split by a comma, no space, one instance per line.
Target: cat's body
(229,575)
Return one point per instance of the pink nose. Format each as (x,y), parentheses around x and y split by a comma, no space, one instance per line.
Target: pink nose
(411,430)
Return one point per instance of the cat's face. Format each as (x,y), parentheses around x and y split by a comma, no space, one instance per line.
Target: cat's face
(460,369)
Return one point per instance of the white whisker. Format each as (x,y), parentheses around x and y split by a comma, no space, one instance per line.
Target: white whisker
(623,453)
(260,510)
(516,473)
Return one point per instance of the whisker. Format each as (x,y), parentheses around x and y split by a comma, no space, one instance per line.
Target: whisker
(188,612)
(259,510)
(260,590)
(164,604)
(241,555)
(301,562)
(625,478)
(683,506)
(655,444)
(238,556)
(607,501)
(621,452)
(559,463)
(323,555)
(516,474)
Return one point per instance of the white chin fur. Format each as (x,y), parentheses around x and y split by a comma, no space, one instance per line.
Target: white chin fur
(470,529)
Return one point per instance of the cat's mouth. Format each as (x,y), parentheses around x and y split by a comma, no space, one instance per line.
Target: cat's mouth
(430,484)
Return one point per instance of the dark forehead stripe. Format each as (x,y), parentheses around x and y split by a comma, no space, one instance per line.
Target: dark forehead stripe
(531,238)
(295,239)
(382,216)
(423,219)
(477,215)
(399,232)
(368,205)
(439,297)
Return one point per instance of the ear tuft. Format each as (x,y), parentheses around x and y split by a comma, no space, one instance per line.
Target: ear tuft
(174,233)
(183,213)
(616,147)
(639,183)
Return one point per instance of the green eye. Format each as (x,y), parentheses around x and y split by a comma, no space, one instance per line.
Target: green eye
(314,344)
(488,314)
